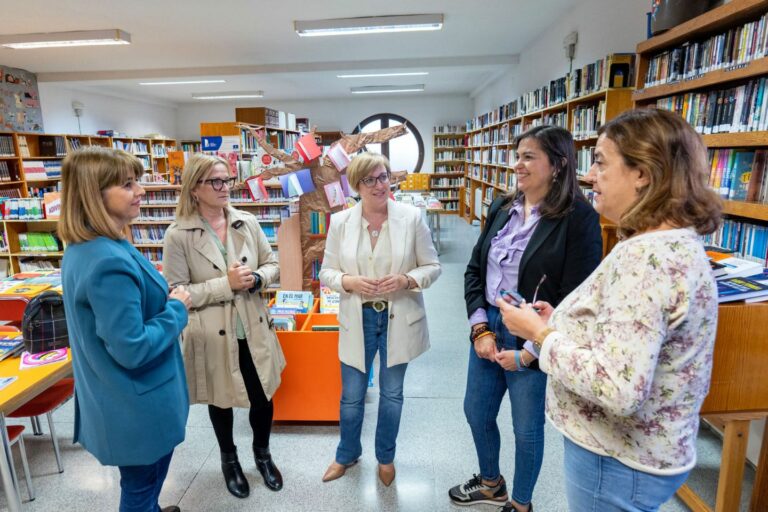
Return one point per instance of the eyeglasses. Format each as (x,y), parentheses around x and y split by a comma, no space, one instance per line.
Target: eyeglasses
(370,181)
(536,291)
(217,184)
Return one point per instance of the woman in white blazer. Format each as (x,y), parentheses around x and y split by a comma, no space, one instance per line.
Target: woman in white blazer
(379,256)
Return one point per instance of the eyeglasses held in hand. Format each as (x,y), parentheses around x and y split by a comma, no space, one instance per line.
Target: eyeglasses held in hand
(370,181)
(536,291)
(217,183)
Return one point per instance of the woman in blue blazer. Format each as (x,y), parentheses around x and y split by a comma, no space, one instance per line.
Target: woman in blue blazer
(131,402)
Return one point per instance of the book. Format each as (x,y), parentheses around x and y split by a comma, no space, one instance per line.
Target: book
(335,194)
(338,157)
(27,290)
(329,300)
(737,267)
(10,344)
(52,203)
(307,148)
(740,177)
(257,189)
(739,288)
(6,381)
(297,183)
(42,358)
(300,300)
(284,323)
(325,327)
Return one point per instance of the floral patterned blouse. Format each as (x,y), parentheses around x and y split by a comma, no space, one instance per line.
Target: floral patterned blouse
(630,361)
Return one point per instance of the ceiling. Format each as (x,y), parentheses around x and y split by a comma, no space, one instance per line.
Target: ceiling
(251,44)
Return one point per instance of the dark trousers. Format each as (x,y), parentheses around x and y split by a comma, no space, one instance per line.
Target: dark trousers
(260,414)
(140,485)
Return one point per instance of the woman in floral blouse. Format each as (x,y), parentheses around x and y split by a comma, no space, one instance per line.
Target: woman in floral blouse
(629,352)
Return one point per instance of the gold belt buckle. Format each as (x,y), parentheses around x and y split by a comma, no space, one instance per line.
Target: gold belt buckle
(379,306)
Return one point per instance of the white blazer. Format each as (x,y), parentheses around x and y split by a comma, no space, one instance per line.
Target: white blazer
(412,253)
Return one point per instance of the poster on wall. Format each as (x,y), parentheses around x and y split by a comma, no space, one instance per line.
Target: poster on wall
(19,101)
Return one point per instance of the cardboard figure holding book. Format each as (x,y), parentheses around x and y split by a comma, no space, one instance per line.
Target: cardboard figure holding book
(311,186)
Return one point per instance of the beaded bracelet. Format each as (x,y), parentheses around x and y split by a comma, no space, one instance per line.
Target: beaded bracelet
(482,335)
(475,333)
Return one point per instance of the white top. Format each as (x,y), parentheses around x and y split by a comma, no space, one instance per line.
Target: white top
(630,361)
(374,263)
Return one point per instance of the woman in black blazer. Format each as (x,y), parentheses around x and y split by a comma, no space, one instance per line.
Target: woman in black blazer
(539,243)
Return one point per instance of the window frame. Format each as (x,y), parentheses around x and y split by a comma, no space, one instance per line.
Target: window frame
(384,118)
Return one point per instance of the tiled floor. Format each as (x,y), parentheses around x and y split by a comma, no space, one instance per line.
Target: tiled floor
(435,448)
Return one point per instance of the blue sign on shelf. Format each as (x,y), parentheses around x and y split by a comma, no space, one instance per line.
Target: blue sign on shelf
(211,143)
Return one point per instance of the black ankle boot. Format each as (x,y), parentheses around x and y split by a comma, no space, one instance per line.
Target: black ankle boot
(272,477)
(233,475)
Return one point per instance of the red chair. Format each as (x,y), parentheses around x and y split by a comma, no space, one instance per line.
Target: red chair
(14,436)
(45,403)
(12,309)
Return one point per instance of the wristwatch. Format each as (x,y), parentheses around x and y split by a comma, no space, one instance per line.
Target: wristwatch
(539,338)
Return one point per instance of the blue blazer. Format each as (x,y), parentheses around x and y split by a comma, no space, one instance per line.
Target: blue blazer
(131,402)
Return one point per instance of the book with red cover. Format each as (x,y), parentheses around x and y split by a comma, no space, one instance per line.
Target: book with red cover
(308,148)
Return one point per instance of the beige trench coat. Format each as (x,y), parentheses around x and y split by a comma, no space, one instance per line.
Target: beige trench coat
(209,343)
(412,253)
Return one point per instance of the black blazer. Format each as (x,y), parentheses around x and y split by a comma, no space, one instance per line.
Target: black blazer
(567,249)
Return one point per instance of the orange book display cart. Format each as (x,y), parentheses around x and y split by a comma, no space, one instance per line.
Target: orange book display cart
(311,382)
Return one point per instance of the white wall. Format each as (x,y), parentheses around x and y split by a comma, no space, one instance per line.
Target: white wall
(102,112)
(603,26)
(341,114)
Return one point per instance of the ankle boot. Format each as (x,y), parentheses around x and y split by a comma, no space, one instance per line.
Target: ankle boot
(233,475)
(272,477)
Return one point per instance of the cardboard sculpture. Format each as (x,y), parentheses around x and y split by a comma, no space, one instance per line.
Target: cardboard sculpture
(323,172)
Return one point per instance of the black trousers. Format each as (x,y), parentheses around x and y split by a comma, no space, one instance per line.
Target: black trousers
(260,414)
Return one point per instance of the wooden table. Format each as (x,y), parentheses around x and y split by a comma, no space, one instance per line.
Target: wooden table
(738,394)
(30,383)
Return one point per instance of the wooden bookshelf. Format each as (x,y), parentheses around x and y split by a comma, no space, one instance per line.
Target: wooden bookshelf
(490,148)
(448,156)
(280,126)
(737,394)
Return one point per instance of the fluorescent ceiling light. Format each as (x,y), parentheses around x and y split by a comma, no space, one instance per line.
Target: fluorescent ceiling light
(381,89)
(228,95)
(185,82)
(368,25)
(375,75)
(62,39)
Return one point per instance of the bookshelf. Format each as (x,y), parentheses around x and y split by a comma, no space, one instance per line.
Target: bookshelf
(737,57)
(737,72)
(448,154)
(280,126)
(490,151)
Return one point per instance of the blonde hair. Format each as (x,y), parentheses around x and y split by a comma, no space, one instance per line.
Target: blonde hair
(195,170)
(673,156)
(363,165)
(85,174)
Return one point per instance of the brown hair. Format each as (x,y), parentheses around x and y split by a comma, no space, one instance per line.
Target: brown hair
(557,144)
(85,173)
(363,165)
(196,169)
(670,152)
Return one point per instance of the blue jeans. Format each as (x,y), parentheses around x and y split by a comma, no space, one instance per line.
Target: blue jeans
(354,384)
(487,382)
(141,485)
(595,483)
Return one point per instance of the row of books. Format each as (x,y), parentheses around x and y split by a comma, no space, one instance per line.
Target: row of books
(32,208)
(10,192)
(445,142)
(738,45)
(446,182)
(287,305)
(446,194)
(156,214)
(738,109)
(448,128)
(553,119)
(41,169)
(32,283)
(191,147)
(274,195)
(136,147)
(152,234)
(612,71)
(739,174)
(319,223)
(34,241)
(5,171)
(737,278)
(445,156)
(587,119)
(584,158)
(448,168)
(746,238)
(164,197)
(271,213)
(6,146)
(159,150)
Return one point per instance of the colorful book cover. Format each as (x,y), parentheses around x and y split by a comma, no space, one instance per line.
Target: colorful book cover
(338,157)
(257,189)
(42,358)
(307,148)
(27,290)
(6,381)
(329,300)
(742,170)
(297,183)
(740,288)
(52,203)
(294,299)
(335,194)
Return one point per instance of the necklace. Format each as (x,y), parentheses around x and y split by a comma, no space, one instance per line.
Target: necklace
(375,233)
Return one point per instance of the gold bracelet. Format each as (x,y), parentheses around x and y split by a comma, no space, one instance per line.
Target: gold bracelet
(539,338)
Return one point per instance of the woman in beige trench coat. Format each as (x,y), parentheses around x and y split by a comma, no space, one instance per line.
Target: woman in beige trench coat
(231,353)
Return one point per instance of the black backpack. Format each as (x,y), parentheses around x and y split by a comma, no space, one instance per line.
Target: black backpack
(44,325)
